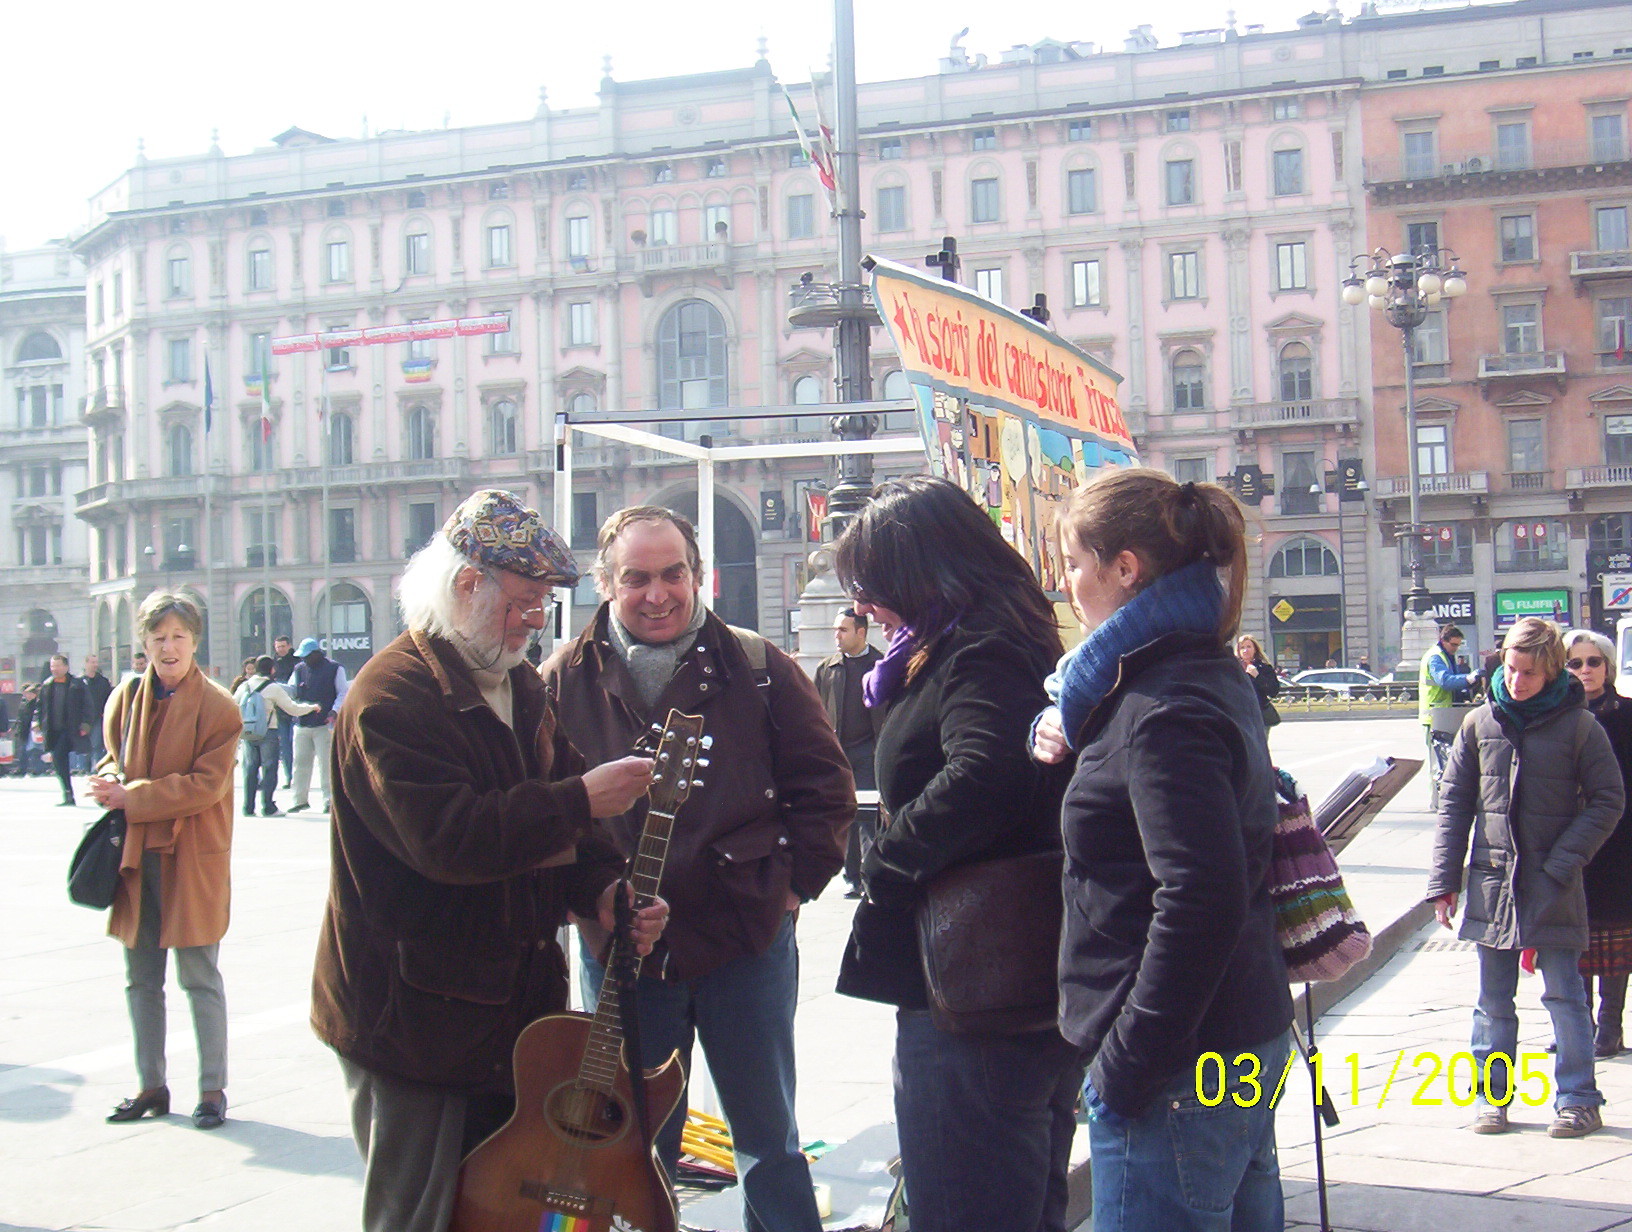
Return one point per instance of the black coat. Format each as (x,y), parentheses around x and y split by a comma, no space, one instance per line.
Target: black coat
(1169,946)
(1608,876)
(75,713)
(956,786)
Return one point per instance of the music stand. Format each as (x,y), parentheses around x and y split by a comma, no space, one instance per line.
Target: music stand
(1346,811)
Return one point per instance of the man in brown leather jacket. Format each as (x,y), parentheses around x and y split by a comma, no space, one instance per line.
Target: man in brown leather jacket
(462,835)
(764,832)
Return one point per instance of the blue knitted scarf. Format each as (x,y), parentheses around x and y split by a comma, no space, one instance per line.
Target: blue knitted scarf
(1188,600)
(1522,714)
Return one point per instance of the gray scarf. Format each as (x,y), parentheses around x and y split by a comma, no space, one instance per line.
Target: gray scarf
(652,667)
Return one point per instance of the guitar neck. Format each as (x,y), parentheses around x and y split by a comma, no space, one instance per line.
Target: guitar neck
(603,1053)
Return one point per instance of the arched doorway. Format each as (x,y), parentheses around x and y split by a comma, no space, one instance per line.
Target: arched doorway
(353,640)
(736,559)
(254,632)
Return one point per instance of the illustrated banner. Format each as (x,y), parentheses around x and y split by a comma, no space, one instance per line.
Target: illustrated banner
(1010,411)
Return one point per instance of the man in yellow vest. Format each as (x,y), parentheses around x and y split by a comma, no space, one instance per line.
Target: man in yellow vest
(1439,683)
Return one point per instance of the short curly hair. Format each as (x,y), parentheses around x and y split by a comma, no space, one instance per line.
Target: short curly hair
(162,603)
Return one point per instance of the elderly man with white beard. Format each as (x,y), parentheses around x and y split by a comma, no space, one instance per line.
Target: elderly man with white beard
(462,834)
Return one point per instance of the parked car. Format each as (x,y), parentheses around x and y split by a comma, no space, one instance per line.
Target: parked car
(1344,680)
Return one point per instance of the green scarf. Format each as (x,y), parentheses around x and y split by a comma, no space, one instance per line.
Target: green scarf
(1522,714)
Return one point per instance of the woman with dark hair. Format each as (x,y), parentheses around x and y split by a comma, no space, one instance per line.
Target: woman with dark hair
(1169,950)
(985,1120)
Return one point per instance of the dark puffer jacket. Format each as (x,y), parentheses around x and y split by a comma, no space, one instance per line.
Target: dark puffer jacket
(1538,804)
(1609,876)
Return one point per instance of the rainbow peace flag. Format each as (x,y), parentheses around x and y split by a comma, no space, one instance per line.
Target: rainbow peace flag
(555,1221)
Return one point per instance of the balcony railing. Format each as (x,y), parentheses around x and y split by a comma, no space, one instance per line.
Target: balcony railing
(1531,562)
(1304,411)
(1521,363)
(1598,477)
(255,557)
(366,474)
(102,404)
(1601,263)
(1528,481)
(1394,487)
(167,487)
(675,257)
(1540,156)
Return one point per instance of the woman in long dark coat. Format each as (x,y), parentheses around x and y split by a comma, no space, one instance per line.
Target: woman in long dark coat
(1591,660)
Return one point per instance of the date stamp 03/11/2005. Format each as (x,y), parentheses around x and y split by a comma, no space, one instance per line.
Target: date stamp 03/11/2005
(1457,1079)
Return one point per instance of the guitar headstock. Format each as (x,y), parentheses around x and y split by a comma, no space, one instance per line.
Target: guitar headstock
(677,747)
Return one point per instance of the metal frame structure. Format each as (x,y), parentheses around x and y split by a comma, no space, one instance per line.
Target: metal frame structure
(622,426)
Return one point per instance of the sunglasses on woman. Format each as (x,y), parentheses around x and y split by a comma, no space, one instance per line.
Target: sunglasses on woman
(1576,665)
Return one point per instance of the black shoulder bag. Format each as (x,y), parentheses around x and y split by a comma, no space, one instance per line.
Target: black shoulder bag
(93,873)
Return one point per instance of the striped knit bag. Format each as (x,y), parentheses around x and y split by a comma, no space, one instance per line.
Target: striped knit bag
(1320,933)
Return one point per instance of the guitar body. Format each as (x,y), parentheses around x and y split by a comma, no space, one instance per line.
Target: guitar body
(571,1158)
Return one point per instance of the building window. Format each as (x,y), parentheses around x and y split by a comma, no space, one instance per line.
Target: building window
(421,434)
(1080,195)
(1521,329)
(983,201)
(498,246)
(178,447)
(1288,172)
(807,391)
(714,168)
(1183,275)
(339,357)
(262,454)
(1513,145)
(422,524)
(1178,121)
(577,181)
(892,208)
(260,269)
(1297,477)
(663,173)
(1447,549)
(983,139)
(1421,156)
(421,348)
(1433,449)
(1232,166)
(1524,446)
(1296,371)
(1618,440)
(664,226)
(341,452)
(1421,237)
(1609,228)
(337,264)
(98,313)
(178,279)
(578,237)
(891,148)
(1192,470)
(1530,544)
(716,223)
(417,252)
(342,535)
(1079,130)
(416,198)
(797,157)
(260,354)
(38,346)
(1304,557)
(989,282)
(498,190)
(1518,234)
(180,360)
(691,357)
(501,428)
(1292,266)
(336,208)
(1181,181)
(118,292)
(586,521)
(1608,138)
(503,343)
(581,324)
(1614,324)
(1189,381)
(1085,291)
(801,216)
(1284,109)
(1430,357)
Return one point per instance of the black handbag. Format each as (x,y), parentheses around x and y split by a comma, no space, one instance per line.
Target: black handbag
(93,873)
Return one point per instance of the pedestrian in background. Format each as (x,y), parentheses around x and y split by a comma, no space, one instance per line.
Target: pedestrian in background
(175,886)
(97,689)
(838,680)
(63,719)
(985,1119)
(265,720)
(1532,779)
(1607,879)
(317,678)
(22,732)
(1266,681)
(244,673)
(283,671)
(1169,949)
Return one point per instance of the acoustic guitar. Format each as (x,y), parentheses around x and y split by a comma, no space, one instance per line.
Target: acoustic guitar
(571,1158)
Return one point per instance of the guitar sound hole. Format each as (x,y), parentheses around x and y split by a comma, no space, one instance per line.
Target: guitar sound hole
(585,1116)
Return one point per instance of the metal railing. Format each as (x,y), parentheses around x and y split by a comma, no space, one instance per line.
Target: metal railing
(1528,481)
(1301,411)
(1522,363)
(1390,487)
(1539,156)
(1601,263)
(1598,476)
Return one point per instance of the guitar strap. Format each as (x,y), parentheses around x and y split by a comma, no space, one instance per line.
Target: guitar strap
(623,973)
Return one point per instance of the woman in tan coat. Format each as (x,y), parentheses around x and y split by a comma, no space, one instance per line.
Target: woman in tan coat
(176,754)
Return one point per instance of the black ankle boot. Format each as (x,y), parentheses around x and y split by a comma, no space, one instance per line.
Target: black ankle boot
(1611,1005)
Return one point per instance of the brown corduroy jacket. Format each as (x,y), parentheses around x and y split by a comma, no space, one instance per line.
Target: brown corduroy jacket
(178,803)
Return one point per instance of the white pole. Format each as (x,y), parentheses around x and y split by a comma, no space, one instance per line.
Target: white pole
(323,453)
(705,525)
(563,523)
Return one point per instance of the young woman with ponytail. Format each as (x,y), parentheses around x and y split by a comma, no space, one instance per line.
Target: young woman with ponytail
(1169,952)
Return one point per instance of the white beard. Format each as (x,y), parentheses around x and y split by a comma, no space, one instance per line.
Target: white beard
(484,631)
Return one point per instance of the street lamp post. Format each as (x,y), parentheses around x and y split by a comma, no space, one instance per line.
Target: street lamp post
(1405,287)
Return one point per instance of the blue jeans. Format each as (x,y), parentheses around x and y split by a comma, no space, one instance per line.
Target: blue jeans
(985,1124)
(1496,1022)
(1184,1167)
(742,1014)
(286,751)
(261,769)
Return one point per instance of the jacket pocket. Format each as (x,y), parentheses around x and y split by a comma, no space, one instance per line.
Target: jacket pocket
(449,1020)
(1487,883)
(753,867)
(432,967)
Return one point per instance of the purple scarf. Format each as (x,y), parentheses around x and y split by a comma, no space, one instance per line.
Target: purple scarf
(884,681)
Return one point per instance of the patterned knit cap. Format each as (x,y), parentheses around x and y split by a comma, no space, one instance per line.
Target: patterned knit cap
(494,529)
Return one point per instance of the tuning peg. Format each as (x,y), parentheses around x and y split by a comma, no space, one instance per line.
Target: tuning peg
(708,742)
(702,763)
(697,783)
(657,729)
